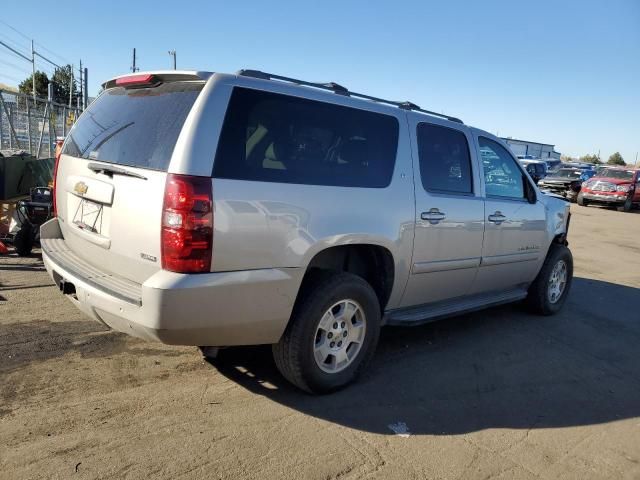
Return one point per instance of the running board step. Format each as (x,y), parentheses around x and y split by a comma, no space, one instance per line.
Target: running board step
(435,311)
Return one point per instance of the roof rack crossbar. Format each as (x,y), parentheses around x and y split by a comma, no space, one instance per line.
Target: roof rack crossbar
(339,89)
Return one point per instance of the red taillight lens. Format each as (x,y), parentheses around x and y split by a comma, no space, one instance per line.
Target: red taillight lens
(59,144)
(187,224)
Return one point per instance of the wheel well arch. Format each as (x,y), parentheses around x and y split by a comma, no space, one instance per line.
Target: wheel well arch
(373,263)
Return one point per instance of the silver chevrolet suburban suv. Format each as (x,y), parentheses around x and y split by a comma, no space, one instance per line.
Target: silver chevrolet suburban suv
(215,210)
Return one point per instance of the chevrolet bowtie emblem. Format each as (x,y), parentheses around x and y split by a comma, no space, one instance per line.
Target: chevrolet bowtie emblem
(81,188)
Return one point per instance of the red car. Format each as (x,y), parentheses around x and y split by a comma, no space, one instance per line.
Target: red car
(612,186)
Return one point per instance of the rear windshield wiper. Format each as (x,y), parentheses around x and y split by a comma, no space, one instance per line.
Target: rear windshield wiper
(110,170)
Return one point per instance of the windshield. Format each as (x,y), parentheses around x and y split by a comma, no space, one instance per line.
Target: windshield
(616,173)
(567,173)
(137,127)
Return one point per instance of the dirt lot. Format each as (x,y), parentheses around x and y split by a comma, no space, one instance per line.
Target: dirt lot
(496,394)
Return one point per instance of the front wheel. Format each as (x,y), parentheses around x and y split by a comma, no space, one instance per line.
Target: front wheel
(549,290)
(332,333)
(581,201)
(627,205)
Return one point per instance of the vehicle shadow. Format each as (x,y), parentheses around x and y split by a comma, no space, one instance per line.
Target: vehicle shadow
(500,368)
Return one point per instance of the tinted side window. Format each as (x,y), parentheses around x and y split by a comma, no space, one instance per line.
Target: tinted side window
(502,177)
(278,138)
(445,163)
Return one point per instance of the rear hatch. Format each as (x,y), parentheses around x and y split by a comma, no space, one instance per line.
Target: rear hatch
(111,175)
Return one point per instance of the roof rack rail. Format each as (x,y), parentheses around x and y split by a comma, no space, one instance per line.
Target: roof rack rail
(340,90)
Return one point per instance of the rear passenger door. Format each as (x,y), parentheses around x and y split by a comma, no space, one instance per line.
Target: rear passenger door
(449,213)
(515,238)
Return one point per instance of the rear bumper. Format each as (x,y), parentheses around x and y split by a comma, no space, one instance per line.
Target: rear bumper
(217,309)
(605,198)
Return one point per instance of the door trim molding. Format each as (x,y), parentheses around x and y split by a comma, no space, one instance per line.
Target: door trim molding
(510,258)
(444,265)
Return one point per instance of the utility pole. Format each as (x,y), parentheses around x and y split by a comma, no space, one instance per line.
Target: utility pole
(33,68)
(85,98)
(71,87)
(134,69)
(81,82)
(173,54)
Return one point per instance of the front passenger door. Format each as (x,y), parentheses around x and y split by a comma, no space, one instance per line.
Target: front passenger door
(515,238)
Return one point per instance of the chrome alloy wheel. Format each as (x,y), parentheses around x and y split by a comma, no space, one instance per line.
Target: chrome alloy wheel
(339,336)
(557,281)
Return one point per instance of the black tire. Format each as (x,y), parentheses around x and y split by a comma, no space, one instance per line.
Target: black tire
(538,299)
(627,205)
(23,241)
(294,355)
(581,201)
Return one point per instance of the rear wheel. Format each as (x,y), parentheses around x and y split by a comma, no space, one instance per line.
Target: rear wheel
(627,205)
(549,290)
(332,334)
(581,201)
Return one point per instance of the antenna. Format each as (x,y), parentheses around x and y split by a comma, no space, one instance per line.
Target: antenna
(134,68)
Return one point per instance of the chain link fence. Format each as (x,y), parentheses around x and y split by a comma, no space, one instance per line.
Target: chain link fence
(33,125)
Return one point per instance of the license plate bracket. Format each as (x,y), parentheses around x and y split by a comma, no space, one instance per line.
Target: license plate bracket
(89,216)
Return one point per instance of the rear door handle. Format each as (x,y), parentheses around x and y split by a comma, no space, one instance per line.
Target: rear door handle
(497,218)
(433,216)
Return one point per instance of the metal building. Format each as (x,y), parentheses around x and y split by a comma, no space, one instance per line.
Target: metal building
(535,149)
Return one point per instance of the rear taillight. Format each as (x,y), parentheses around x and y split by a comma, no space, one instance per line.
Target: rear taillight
(187,224)
(59,143)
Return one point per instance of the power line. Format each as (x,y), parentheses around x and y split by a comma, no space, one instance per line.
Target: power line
(15,51)
(39,45)
(50,67)
(10,77)
(20,68)
(18,46)
(15,30)
(60,57)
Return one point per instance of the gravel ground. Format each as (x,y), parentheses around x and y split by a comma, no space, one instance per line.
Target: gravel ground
(495,394)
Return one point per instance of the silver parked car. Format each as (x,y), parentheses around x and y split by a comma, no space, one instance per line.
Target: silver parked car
(216,210)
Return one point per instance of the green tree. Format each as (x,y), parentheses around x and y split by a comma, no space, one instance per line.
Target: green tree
(590,159)
(566,158)
(616,159)
(63,81)
(42,83)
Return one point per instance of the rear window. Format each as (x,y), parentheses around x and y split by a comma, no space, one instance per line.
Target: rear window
(278,138)
(135,127)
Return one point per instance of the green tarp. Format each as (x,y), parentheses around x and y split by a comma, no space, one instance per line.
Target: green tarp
(20,171)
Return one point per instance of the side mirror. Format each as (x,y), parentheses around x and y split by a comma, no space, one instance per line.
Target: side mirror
(531,193)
